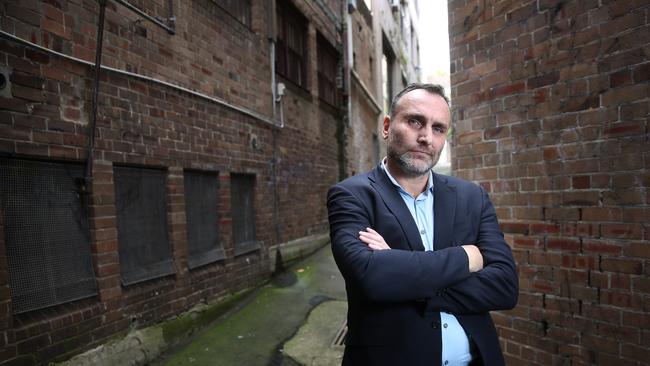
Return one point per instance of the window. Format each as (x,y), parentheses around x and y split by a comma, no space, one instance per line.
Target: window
(47,237)
(239,9)
(291,46)
(327,72)
(143,238)
(242,197)
(365,9)
(202,208)
(387,62)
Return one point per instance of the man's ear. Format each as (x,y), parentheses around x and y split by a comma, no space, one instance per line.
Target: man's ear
(384,130)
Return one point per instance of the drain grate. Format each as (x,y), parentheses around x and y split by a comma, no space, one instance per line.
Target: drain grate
(341,335)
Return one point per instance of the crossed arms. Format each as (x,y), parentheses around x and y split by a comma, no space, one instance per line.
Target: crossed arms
(449,279)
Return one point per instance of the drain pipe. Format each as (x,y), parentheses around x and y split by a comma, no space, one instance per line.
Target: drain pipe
(274,132)
(88,174)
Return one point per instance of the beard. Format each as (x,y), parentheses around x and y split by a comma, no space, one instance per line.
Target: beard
(410,164)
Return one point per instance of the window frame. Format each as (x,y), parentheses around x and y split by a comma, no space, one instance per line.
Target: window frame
(59,267)
(198,253)
(290,20)
(250,242)
(327,56)
(132,270)
(231,7)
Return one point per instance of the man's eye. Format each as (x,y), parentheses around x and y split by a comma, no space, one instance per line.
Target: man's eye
(415,122)
(439,129)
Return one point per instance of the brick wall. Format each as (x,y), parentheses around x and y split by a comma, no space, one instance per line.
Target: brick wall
(551,105)
(44,113)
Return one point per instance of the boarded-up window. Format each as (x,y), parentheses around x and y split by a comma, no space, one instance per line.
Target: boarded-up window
(242,197)
(143,238)
(239,9)
(291,46)
(47,237)
(202,208)
(327,71)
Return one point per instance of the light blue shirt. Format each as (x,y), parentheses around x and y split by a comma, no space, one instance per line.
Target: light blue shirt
(455,345)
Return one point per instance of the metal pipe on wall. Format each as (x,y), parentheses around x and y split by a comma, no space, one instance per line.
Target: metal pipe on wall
(212,99)
(88,174)
(271,30)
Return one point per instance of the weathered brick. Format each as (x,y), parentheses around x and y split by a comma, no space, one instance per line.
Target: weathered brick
(566,245)
(583,116)
(631,266)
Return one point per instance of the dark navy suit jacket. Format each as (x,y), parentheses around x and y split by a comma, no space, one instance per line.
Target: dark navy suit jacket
(394,296)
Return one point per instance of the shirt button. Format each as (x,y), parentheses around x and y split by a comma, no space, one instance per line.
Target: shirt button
(446,362)
(445,325)
(422,232)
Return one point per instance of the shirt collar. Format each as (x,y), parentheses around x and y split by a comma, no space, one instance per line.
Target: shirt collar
(429,181)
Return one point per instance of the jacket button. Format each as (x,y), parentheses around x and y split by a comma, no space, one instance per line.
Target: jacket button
(434,325)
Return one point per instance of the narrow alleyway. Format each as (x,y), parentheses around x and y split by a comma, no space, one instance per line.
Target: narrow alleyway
(291,321)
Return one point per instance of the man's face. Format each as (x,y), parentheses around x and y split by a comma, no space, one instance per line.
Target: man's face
(416,134)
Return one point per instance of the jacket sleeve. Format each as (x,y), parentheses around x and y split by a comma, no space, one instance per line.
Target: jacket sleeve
(496,286)
(386,275)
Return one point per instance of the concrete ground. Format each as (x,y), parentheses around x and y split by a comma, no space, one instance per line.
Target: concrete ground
(291,321)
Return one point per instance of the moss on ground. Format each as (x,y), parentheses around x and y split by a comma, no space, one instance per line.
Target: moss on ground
(180,327)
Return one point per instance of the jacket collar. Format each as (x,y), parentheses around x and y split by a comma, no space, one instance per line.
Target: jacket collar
(444,209)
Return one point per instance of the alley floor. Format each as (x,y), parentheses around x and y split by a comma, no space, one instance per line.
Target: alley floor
(293,320)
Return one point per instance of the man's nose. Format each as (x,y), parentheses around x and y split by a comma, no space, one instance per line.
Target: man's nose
(425,136)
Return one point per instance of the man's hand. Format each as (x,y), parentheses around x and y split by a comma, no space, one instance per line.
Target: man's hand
(475,257)
(376,241)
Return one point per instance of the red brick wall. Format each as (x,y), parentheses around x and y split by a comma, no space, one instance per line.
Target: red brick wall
(45,116)
(551,105)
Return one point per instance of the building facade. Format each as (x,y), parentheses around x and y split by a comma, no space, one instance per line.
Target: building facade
(552,105)
(383,45)
(173,176)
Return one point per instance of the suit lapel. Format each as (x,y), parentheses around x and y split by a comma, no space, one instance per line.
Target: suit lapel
(444,208)
(391,197)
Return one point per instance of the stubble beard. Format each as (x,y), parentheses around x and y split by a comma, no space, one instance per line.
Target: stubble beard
(410,165)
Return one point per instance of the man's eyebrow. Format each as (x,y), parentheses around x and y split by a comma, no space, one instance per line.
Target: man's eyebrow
(414,116)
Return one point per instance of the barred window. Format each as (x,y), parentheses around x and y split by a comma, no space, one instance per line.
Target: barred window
(239,9)
(202,208)
(144,248)
(47,237)
(242,198)
(327,71)
(291,46)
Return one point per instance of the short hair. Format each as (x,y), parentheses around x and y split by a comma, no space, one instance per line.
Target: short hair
(431,88)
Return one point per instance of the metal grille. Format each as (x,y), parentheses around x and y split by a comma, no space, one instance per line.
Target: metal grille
(341,335)
(140,199)
(242,196)
(47,236)
(202,208)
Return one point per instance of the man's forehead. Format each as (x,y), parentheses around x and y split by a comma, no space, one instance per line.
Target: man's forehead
(421,100)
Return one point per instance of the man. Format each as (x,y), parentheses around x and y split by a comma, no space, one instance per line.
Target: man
(422,255)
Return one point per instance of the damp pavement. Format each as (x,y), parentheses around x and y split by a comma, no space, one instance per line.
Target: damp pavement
(293,320)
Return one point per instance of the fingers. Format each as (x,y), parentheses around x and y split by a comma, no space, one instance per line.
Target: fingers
(368,237)
(373,239)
